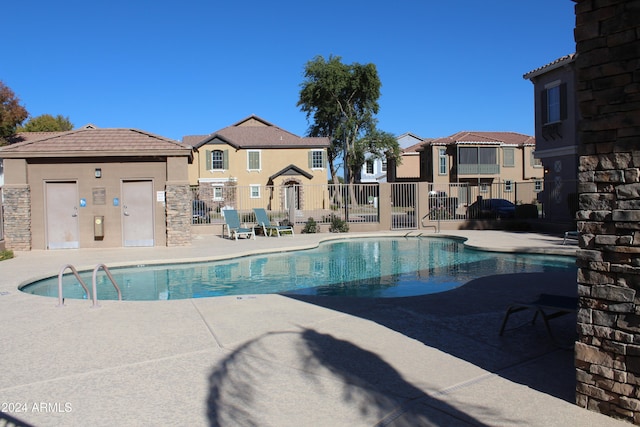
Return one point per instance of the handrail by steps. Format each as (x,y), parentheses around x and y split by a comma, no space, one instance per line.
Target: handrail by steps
(95,292)
(75,273)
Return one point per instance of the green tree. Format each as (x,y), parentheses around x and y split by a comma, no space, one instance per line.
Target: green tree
(342,101)
(379,145)
(11,113)
(46,123)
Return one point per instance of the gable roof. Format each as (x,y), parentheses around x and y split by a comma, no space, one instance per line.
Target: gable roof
(486,138)
(567,59)
(291,170)
(255,132)
(93,142)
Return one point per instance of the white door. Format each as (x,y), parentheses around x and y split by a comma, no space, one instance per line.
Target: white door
(137,213)
(61,216)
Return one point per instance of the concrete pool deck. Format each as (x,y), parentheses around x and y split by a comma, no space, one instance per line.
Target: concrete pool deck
(275,360)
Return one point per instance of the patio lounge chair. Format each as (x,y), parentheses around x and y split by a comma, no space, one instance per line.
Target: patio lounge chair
(547,306)
(233,226)
(263,221)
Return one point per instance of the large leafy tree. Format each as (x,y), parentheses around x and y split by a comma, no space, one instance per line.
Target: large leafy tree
(342,100)
(46,123)
(378,145)
(11,113)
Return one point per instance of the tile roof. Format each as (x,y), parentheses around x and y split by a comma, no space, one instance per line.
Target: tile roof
(491,138)
(550,66)
(415,147)
(254,132)
(98,142)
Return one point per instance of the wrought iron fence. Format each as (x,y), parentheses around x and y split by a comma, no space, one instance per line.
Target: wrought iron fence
(404,203)
(292,204)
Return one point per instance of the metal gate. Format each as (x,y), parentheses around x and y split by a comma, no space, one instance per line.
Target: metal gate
(404,205)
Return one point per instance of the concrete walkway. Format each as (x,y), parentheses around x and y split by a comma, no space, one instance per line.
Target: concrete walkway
(276,360)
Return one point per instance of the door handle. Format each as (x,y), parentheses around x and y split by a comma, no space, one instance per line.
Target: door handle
(75,212)
(125,213)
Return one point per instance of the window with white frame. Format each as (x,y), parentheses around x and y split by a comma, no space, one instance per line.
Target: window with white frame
(253,160)
(217,160)
(442,161)
(508,185)
(554,102)
(254,191)
(509,157)
(316,159)
(484,188)
(369,167)
(537,186)
(217,193)
(535,162)
(384,165)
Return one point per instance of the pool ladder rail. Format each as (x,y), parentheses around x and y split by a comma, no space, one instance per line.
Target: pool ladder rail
(84,286)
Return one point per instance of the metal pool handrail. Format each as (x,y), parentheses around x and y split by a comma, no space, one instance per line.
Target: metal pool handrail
(95,292)
(75,273)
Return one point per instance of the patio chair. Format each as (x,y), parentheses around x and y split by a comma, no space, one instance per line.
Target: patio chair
(233,226)
(548,306)
(263,221)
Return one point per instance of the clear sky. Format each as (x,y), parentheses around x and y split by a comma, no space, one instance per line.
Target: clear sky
(195,66)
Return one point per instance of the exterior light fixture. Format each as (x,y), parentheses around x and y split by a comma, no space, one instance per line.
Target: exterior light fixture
(98,173)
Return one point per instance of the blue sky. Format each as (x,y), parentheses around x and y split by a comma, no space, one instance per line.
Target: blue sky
(196,66)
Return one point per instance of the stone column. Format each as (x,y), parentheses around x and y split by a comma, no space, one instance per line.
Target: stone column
(17,217)
(608,89)
(178,206)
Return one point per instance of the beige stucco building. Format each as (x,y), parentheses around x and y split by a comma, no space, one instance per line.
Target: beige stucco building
(95,188)
(259,158)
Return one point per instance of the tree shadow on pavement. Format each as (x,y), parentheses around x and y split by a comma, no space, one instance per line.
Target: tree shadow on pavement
(319,379)
(464,322)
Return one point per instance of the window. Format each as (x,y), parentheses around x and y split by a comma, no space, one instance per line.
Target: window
(369,167)
(535,162)
(554,102)
(253,160)
(537,186)
(484,188)
(384,165)
(509,157)
(254,191)
(478,155)
(217,160)
(217,193)
(317,159)
(442,161)
(508,185)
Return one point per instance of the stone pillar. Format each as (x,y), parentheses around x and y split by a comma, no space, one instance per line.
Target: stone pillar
(17,217)
(607,354)
(178,206)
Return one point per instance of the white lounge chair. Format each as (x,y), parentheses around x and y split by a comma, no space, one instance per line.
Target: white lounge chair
(233,226)
(263,221)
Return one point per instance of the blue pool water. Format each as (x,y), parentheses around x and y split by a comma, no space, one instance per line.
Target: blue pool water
(368,267)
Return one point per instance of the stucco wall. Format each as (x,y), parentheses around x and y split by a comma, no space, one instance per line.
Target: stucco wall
(109,185)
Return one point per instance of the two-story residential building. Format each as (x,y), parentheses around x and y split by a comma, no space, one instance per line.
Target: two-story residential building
(480,164)
(556,126)
(256,157)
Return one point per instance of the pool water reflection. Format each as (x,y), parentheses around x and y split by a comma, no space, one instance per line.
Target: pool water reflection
(366,267)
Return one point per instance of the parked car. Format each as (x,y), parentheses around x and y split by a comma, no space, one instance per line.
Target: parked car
(200,212)
(491,208)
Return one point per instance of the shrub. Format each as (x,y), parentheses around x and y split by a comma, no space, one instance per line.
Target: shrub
(311,226)
(338,225)
(6,254)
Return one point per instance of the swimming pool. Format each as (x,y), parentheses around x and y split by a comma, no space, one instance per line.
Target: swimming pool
(365,267)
